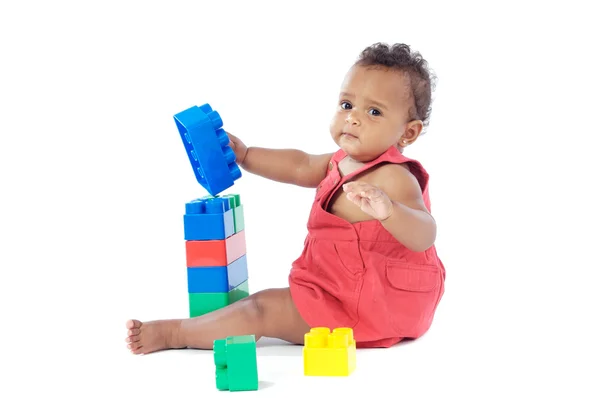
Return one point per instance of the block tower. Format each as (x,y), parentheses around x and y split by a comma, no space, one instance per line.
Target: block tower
(214,228)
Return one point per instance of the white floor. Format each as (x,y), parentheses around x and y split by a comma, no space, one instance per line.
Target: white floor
(446,362)
(77,356)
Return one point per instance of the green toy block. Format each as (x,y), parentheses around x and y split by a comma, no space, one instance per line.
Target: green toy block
(239,292)
(238,211)
(235,363)
(222,379)
(203,303)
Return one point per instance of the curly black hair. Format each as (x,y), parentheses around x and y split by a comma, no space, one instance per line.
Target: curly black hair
(400,57)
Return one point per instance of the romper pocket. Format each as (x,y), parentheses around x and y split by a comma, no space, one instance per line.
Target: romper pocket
(349,258)
(410,277)
(412,294)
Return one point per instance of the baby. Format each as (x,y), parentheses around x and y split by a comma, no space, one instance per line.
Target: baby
(369,260)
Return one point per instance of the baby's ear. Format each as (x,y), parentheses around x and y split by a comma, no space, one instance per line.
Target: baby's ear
(411,133)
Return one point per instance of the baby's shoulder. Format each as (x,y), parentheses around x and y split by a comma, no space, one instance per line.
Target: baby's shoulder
(390,172)
(396,179)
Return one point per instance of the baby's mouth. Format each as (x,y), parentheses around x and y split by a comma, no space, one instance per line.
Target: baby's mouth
(348,135)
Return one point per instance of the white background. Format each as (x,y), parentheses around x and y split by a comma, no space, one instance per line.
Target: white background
(95,178)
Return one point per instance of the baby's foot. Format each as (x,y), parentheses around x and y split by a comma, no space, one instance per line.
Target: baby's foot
(143,338)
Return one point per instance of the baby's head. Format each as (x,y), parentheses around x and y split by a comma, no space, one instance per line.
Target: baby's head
(385,100)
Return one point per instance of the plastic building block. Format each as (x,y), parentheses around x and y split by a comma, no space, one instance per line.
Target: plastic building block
(329,353)
(241,291)
(206,144)
(220,279)
(208,219)
(235,363)
(201,253)
(238,211)
(203,303)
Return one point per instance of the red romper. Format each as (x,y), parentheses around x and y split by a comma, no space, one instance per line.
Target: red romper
(359,276)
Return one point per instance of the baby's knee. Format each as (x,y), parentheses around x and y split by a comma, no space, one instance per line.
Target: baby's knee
(257,310)
(264,304)
(259,303)
(255,307)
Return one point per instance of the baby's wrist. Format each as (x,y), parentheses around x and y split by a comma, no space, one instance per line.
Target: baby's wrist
(389,215)
(242,161)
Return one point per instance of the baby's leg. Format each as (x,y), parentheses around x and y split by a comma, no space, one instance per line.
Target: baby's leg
(269,313)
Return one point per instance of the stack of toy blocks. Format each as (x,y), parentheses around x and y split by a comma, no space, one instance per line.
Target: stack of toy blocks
(235,363)
(329,353)
(217,272)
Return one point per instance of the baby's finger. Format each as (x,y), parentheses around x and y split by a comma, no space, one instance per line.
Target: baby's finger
(347,187)
(373,193)
(357,187)
(354,198)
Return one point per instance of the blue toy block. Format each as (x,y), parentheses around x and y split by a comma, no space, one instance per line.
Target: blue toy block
(206,144)
(219,279)
(208,219)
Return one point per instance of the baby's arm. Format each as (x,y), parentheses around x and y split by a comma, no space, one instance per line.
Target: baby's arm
(290,166)
(410,222)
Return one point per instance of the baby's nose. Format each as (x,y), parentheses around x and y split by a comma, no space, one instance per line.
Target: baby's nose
(352,119)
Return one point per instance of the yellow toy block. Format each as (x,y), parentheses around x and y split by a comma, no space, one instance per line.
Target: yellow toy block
(329,353)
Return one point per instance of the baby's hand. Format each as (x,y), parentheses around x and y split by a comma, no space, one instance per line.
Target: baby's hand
(239,148)
(370,199)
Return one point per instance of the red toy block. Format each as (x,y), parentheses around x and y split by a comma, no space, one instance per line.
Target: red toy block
(210,253)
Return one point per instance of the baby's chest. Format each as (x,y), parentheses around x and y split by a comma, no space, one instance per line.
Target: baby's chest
(339,205)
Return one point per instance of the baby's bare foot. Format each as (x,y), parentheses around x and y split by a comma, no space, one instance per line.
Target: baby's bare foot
(143,338)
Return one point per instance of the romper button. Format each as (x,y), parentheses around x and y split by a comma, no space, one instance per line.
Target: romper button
(330,165)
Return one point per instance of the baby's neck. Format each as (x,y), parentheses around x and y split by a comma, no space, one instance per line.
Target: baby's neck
(349,165)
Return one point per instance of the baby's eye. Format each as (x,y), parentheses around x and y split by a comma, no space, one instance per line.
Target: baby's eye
(345,105)
(374,112)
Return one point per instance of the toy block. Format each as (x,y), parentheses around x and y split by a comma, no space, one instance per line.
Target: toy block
(208,219)
(329,353)
(241,291)
(238,211)
(201,253)
(236,367)
(203,303)
(220,279)
(207,146)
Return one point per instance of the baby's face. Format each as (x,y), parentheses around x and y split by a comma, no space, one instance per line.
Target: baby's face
(372,112)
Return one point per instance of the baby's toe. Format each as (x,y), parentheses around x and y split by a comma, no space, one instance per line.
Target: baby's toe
(133,324)
(134,346)
(133,339)
(134,332)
